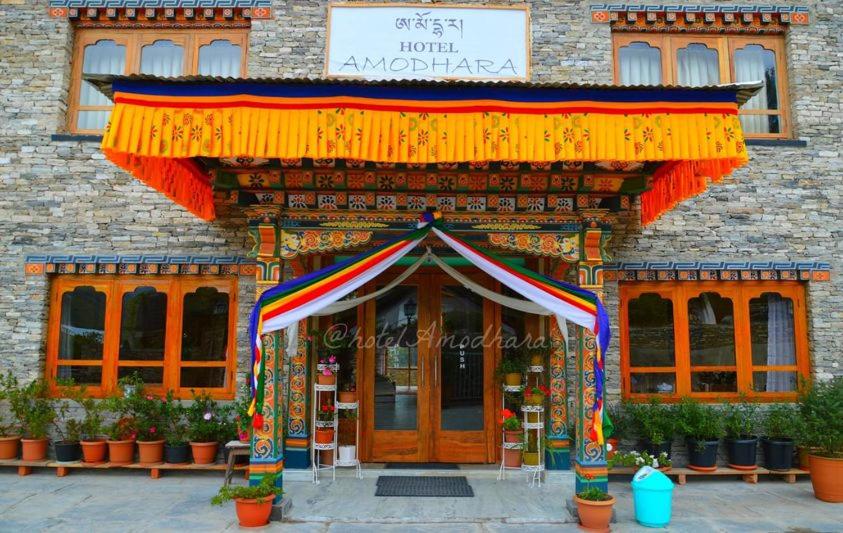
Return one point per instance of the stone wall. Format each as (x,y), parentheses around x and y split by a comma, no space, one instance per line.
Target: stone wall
(63,198)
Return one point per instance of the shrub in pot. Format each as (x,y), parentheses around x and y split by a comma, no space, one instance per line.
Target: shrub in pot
(122,435)
(35,412)
(654,423)
(91,439)
(149,414)
(620,427)
(204,428)
(741,442)
(594,507)
(176,446)
(326,374)
(511,369)
(512,434)
(821,430)
(348,394)
(638,460)
(253,504)
(69,431)
(9,430)
(779,426)
(702,427)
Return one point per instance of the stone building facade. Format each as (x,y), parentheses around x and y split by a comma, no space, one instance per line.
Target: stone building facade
(59,196)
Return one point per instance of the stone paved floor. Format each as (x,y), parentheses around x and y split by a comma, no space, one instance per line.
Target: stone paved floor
(130,501)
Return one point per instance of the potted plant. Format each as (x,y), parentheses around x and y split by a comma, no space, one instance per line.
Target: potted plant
(325,432)
(94,447)
(821,429)
(654,423)
(122,435)
(325,371)
(347,436)
(594,507)
(9,431)
(348,394)
(511,369)
(640,459)
(149,415)
(530,455)
(253,504)
(741,442)
(69,430)
(176,446)
(619,418)
(779,426)
(203,428)
(35,412)
(538,353)
(512,434)
(702,427)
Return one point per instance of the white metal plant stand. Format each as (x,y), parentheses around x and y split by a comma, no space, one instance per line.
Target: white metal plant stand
(355,461)
(534,472)
(508,445)
(319,400)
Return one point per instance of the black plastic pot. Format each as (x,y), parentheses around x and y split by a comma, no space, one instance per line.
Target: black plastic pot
(67,452)
(702,453)
(177,454)
(656,448)
(239,460)
(778,453)
(742,452)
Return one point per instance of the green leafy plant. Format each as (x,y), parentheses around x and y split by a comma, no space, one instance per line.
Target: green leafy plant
(739,419)
(326,413)
(262,492)
(93,410)
(8,389)
(147,412)
(653,420)
(511,364)
(620,420)
(34,409)
(68,429)
(821,418)
(593,494)
(510,420)
(781,421)
(175,426)
(698,421)
(204,421)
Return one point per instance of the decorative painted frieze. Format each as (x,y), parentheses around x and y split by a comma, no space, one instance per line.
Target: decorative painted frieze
(722,271)
(150,10)
(138,264)
(763,18)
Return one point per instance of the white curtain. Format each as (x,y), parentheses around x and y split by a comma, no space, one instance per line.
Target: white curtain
(780,342)
(697,65)
(103,57)
(750,66)
(640,64)
(162,58)
(220,58)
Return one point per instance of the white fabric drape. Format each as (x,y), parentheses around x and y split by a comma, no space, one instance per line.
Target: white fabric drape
(103,57)
(220,58)
(780,349)
(162,58)
(697,65)
(640,64)
(750,67)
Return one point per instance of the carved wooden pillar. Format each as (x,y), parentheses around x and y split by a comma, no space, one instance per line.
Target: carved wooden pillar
(267,454)
(590,462)
(559,449)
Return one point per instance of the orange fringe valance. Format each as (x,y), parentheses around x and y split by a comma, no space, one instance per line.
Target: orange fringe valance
(181,180)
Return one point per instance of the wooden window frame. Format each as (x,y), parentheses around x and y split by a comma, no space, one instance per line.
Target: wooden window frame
(725,45)
(134,40)
(740,292)
(114,286)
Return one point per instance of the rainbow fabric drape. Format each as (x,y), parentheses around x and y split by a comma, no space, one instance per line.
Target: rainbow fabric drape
(158,126)
(294,300)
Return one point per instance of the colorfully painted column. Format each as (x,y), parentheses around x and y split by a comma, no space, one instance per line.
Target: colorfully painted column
(267,454)
(590,461)
(559,448)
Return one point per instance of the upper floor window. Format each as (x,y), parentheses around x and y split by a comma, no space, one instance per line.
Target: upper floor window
(713,339)
(177,333)
(155,52)
(696,60)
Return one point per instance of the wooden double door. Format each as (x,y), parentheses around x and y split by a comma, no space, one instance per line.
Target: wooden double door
(425,372)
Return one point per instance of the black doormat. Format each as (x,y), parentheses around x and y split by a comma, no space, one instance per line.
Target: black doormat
(424,486)
(422,466)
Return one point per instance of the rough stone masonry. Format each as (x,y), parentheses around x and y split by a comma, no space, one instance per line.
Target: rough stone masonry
(62,197)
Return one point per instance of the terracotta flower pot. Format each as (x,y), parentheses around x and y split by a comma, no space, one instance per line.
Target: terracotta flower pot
(34,449)
(324,435)
(513,379)
(534,399)
(204,453)
(595,516)
(322,379)
(253,513)
(347,396)
(121,452)
(326,457)
(150,452)
(9,447)
(512,435)
(827,478)
(93,451)
(512,458)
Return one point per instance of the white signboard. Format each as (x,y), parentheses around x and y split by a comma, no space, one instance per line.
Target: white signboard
(411,41)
